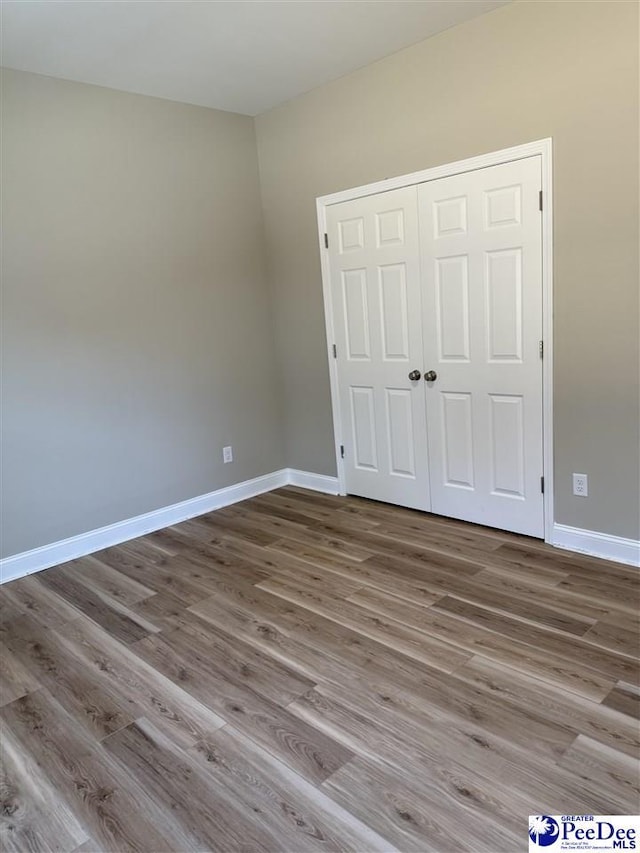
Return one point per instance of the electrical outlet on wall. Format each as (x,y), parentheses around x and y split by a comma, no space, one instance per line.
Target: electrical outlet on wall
(227,454)
(580,485)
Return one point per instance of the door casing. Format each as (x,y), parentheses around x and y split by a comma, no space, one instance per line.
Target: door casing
(543,149)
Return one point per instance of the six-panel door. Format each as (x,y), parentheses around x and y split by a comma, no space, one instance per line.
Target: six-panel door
(480,236)
(443,276)
(375,287)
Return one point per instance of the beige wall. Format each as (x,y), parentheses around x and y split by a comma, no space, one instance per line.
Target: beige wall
(137,334)
(529,70)
(137,326)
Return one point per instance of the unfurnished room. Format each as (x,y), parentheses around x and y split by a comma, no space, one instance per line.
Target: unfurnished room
(320,426)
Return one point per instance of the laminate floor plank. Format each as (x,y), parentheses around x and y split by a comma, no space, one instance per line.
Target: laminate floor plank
(433,535)
(418,752)
(236,521)
(239,661)
(82,693)
(314,510)
(388,513)
(589,568)
(472,590)
(615,638)
(341,547)
(624,698)
(209,816)
(33,817)
(553,597)
(376,544)
(588,759)
(479,638)
(275,563)
(335,502)
(396,635)
(302,815)
(303,749)
(599,721)
(140,548)
(605,663)
(302,672)
(610,592)
(415,815)
(243,527)
(112,583)
(369,663)
(163,609)
(107,612)
(16,679)
(306,643)
(325,645)
(91,846)
(369,575)
(436,736)
(137,552)
(100,793)
(324,552)
(193,578)
(177,577)
(146,690)
(274,507)
(9,608)
(222,565)
(29,596)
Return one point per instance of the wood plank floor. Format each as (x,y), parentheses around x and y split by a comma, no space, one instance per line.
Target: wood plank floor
(304,672)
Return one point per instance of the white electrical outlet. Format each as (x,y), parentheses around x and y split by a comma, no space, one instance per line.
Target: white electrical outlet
(580,485)
(227,454)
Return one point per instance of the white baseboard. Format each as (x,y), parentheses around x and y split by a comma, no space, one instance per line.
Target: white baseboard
(571,538)
(114,534)
(29,562)
(596,544)
(315,482)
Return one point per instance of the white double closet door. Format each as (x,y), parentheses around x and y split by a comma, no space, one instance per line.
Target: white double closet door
(443,276)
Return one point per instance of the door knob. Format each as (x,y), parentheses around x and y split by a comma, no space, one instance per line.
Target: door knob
(415,374)
(430,376)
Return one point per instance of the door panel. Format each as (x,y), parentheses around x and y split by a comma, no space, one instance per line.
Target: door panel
(482,319)
(457,439)
(375,284)
(393,312)
(365,443)
(400,432)
(452,308)
(356,314)
(507,446)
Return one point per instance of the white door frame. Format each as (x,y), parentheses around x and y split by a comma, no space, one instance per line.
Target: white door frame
(541,148)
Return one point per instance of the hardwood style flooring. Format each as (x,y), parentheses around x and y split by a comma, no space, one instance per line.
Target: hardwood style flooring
(303,672)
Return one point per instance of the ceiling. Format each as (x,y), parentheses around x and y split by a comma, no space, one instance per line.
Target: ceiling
(236,55)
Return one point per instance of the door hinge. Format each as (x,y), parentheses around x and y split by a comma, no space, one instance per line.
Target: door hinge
(540,200)
(342,451)
(541,349)
(542,485)
(326,241)
(335,351)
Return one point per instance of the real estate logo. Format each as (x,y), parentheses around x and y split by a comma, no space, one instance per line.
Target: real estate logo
(583,833)
(543,830)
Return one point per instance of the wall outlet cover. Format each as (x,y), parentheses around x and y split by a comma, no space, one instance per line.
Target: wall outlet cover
(580,485)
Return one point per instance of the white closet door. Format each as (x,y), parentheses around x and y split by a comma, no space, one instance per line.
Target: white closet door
(375,286)
(480,236)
